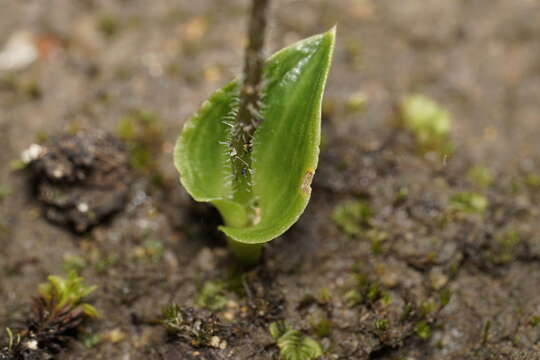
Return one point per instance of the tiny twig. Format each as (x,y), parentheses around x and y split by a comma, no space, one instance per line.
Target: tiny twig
(249,110)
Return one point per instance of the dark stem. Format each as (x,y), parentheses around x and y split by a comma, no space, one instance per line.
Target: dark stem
(249,110)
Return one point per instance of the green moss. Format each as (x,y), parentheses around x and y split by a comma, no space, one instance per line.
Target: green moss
(212,296)
(429,122)
(294,345)
(377,239)
(427,307)
(423,330)
(534,321)
(109,26)
(351,216)
(374,292)
(74,263)
(505,247)
(469,202)
(154,250)
(366,292)
(322,327)
(324,296)
(407,312)
(532,180)
(480,176)
(356,102)
(382,324)
(103,264)
(198,330)
(444,297)
(92,340)
(353,297)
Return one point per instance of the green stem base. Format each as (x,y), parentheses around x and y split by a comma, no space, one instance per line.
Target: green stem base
(248,255)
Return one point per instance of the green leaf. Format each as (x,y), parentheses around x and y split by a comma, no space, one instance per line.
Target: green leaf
(285,145)
(293,345)
(201,153)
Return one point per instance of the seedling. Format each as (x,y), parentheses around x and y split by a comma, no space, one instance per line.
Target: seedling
(351,216)
(60,295)
(469,202)
(257,172)
(294,345)
(212,296)
(428,121)
(57,312)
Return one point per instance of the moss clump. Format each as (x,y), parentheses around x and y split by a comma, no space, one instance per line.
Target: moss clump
(423,330)
(480,176)
(322,327)
(351,216)
(533,181)
(74,263)
(198,330)
(505,247)
(469,202)
(382,324)
(366,292)
(294,345)
(212,296)
(356,102)
(534,321)
(429,123)
(109,26)
(151,250)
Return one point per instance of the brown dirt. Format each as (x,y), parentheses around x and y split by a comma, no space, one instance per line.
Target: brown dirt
(479,59)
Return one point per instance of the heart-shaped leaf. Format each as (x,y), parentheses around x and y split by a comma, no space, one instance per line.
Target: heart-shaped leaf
(285,145)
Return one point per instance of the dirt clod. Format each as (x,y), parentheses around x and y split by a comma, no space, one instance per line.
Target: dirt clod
(81,179)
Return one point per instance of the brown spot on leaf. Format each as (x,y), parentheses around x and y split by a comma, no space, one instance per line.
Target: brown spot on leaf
(306,182)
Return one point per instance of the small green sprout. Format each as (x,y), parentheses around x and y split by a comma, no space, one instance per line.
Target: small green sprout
(293,345)
(534,321)
(427,121)
(532,180)
(351,215)
(259,175)
(469,202)
(480,176)
(57,312)
(382,324)
(74,263)
(60,295)
(356,102)
(505,247)
(212,296)
(423,330)
(322,327)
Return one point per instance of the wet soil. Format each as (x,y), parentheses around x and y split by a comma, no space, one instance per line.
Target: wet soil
(422,279)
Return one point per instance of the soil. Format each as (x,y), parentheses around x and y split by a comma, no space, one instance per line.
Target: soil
(422,279)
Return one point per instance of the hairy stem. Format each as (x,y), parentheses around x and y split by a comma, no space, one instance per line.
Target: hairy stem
(249,109)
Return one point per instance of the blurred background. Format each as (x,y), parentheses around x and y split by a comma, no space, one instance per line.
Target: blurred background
(89,62)
(140,68)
